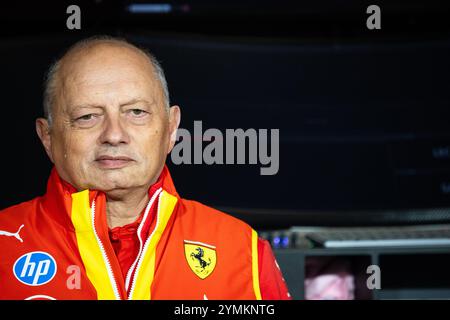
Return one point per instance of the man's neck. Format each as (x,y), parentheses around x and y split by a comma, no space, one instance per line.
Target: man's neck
(125,208)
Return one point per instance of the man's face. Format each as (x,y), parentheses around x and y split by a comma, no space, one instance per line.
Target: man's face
(111,130)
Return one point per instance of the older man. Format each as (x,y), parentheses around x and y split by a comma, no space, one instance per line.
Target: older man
(111,225)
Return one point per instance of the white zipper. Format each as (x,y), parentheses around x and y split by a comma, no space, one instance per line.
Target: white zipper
(149,205)
(147,243)
(105,257)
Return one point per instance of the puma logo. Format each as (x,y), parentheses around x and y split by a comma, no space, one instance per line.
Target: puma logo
(10,234)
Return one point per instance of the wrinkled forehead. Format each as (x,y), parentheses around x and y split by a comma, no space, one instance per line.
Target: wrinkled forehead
(105,74)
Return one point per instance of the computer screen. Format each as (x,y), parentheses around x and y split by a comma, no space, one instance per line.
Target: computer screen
(363,127)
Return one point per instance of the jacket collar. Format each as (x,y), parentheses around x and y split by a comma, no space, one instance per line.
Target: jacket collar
(57,202)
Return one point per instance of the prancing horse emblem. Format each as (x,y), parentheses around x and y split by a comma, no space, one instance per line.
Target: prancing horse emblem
(10,234)
(201,257)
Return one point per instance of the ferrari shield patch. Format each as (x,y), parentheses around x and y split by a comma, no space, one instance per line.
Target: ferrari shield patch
(201,257)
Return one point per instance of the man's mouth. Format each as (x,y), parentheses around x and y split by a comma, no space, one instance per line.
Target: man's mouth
(109,162)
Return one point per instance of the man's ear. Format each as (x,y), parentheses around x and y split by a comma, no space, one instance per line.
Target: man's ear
(43,131)
(174,122)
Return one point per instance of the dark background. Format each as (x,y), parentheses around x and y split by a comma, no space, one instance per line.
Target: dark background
(363,114)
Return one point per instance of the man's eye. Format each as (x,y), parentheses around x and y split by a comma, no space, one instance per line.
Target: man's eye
(137,112)
(86,117)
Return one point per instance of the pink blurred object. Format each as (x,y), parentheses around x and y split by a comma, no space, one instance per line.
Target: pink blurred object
(329,279)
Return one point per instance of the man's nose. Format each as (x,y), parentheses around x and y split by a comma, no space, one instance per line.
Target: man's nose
(114,132)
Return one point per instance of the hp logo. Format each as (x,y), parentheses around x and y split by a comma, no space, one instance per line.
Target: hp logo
(35,268)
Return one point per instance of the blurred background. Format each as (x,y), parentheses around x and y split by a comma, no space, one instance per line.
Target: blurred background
(364,120)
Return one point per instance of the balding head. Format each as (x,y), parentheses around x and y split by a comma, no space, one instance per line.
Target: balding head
(56,75)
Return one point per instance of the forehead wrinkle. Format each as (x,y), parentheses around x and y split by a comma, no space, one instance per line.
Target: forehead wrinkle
(116,92)
(79,59)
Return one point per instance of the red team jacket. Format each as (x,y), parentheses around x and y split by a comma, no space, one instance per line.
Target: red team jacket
(59,246)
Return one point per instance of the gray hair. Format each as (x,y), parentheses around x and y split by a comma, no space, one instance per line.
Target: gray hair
(51,83)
